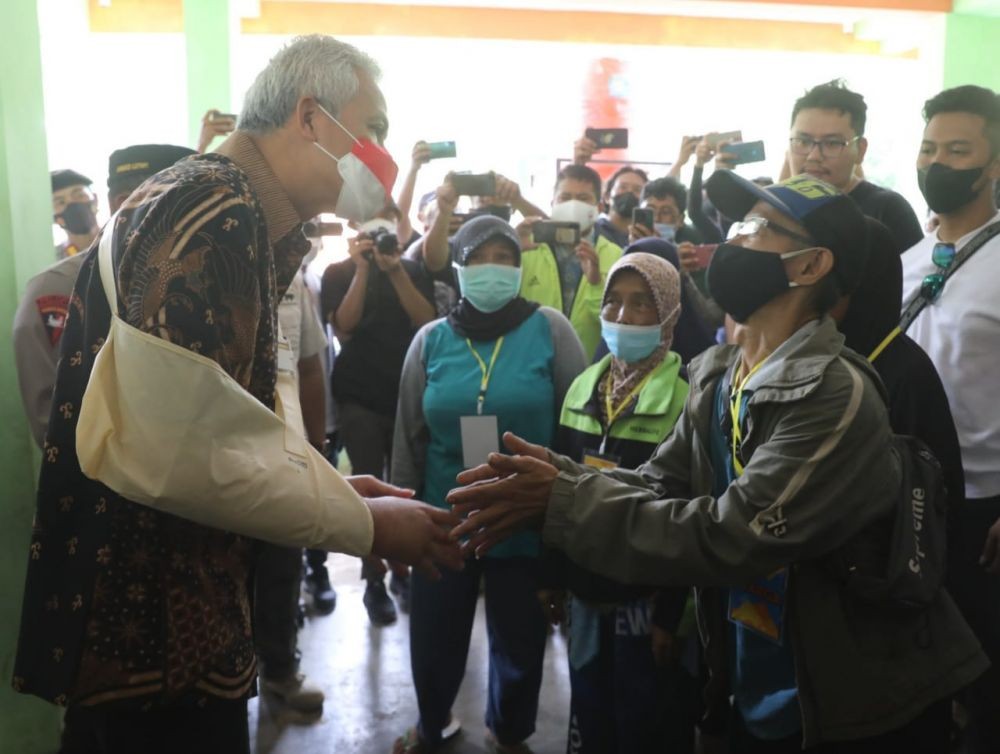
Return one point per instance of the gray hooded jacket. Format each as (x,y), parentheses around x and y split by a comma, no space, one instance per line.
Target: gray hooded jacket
(819,469)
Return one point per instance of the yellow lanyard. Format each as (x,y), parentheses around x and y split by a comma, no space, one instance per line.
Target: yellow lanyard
(884,344)
(612,412)
(735,402)
(487,372)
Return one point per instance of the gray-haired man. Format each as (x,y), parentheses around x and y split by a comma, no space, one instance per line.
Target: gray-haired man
(138,620)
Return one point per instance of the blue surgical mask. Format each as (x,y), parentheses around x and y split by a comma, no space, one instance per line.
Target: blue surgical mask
(631,343)
(489,287)
(664,231)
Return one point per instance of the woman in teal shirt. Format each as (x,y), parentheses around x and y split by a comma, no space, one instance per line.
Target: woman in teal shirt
(497,363)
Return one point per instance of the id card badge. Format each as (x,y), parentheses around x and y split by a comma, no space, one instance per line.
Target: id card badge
(286,363)
(760,607)
(601,461)
(480,437)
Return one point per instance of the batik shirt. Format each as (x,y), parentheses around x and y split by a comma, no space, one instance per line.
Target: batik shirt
(124,603)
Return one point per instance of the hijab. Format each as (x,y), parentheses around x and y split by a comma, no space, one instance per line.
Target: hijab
(664,284)
(691,336)
(465,319)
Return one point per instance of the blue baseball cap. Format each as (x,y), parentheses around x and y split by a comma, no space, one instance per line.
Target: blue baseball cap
(831,217)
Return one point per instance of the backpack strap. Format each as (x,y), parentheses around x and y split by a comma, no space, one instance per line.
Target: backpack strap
(922,298)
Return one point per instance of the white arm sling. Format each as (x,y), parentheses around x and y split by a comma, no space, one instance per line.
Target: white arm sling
(170,429)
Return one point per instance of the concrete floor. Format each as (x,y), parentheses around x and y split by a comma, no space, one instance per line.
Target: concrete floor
(365,673)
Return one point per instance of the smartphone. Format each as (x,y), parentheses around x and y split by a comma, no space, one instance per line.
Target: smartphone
(440,149)
(468,184)
(318,230)
(703,254)
(496,210)
(751,151)
(731,136)
(608,138)
(643,217)
(223,116)
(551,232)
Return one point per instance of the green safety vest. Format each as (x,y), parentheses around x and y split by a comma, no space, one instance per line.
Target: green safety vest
(660,403)
(540,283)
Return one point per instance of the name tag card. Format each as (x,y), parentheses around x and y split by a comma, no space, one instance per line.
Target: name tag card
(480,437)
(285,361)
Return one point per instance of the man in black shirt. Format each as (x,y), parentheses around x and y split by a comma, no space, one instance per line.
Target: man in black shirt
(376,301)
(827,141)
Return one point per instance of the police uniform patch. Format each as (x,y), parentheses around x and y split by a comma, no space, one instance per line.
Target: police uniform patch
(53,311)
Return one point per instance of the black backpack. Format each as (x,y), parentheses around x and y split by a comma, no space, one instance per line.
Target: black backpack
(900,561)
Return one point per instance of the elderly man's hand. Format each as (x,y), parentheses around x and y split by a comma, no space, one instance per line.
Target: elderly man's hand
(416,534)
(506,496)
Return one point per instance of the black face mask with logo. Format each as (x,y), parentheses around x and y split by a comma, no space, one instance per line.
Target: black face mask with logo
(947,189)
(78,218)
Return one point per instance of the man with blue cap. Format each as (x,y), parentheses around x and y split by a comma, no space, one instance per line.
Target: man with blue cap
(781,459)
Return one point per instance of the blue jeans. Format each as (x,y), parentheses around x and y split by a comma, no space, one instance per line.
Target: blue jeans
(441,618)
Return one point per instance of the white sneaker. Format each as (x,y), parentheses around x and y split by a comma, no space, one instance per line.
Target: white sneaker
(295,691)
(452,728)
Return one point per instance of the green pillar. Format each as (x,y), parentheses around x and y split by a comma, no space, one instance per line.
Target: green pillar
(207,26)
(971,35)
(27,724)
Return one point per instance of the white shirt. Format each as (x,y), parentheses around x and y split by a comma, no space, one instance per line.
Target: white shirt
(961,333)
(300,321)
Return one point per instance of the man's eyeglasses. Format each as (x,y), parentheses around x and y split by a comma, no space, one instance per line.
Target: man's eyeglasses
(754,224)
(832,147)
(943,255)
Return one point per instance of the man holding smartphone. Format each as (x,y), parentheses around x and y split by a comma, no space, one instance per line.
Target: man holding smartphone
(622,193)
(570,277)
(376,301)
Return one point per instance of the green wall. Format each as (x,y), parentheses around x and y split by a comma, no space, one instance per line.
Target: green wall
(207,32)
(27,725)
(970,52)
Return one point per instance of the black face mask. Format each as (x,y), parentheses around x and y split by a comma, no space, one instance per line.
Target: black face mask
(947,189)
(623,204)
(742,280)
(78,218)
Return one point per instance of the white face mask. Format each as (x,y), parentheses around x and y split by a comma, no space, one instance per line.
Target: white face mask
(575,211)
(362,194)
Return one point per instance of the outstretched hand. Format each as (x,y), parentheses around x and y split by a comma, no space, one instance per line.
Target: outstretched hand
(503,497)
(416,534)
(367,485)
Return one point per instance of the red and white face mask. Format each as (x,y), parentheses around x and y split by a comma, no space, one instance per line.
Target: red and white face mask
(368,173)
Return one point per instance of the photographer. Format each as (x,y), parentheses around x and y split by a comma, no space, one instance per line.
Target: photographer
(375,301)
(570,278)
(621,196)
(667,198)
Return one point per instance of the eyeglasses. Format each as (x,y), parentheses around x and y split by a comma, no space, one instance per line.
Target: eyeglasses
(754,224)
(803,145)
(943,255)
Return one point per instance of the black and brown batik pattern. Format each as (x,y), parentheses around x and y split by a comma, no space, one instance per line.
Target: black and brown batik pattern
(123,602)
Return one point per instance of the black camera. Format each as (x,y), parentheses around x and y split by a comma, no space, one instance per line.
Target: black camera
(386,242)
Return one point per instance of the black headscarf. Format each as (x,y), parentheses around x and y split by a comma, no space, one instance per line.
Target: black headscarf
(465,319)
(878,299)
(691,335)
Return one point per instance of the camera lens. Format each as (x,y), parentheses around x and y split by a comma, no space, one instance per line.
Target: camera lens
(386,242)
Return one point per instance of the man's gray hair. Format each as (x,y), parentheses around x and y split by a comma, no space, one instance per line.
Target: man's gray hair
(311,66)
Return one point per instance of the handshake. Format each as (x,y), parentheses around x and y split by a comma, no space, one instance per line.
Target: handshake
(498,499)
